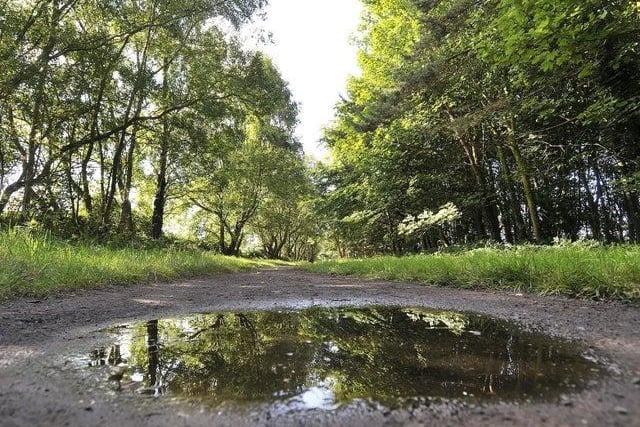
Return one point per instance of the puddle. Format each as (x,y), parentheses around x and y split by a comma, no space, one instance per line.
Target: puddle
(321,358)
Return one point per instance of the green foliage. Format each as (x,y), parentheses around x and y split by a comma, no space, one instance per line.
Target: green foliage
(522,114)
(286,223)
(581,271)
(116,116)
(230,188)
(412,225)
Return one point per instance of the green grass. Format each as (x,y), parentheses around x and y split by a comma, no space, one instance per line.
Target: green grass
(600,272)
(38,266)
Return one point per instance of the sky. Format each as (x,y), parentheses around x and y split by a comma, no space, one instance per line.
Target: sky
(312,48)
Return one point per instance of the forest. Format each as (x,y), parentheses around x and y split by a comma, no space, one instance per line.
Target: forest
(466,252)
(115,116)
(152,124)
(471,122)
(504,121)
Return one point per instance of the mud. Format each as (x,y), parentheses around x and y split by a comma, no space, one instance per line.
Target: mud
(42,383)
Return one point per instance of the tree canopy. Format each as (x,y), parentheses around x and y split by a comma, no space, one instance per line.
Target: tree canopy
(114,116)
(502,120)
(523,115)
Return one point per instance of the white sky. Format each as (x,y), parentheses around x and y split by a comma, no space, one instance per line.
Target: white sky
(313,50)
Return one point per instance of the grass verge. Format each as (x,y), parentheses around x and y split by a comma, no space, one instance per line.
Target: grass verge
(604,273)
(38,266)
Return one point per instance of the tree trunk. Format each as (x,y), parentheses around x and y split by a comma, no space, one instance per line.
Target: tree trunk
(7,192)
(594,214)
(526,183)
(630,203)
(160,199)
(513,209)
(236,240)
(159,202)
(29,163)
(489,209)
(153,353)
(221,237)
(38,103)
(136,92)
(605,208)
(115,169)
(126,215)
(84,176)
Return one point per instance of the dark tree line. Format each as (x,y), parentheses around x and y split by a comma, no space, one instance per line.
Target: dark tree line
(523,114)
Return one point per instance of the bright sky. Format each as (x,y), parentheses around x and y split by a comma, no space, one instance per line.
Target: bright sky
(313,50)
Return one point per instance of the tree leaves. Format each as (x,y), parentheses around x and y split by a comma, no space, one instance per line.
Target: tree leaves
(444,113)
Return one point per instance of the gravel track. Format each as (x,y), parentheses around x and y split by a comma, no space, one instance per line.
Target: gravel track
(40,385)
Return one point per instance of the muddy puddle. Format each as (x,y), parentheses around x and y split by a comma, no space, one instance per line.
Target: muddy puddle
(322,358)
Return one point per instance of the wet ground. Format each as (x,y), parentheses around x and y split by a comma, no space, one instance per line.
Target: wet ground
(156,369)
(284,361)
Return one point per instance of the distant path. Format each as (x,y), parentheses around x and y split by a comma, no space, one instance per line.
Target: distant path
(40,385)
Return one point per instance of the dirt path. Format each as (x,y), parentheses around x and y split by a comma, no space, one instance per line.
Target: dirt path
(40,385)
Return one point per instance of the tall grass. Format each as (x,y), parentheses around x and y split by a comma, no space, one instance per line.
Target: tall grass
(597,272)
(36,266)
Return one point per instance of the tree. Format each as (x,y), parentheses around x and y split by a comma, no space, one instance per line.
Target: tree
(522,114)
(286,224)
(250,163)
(96,97)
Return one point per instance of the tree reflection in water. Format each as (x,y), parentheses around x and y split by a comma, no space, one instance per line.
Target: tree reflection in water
(322,357)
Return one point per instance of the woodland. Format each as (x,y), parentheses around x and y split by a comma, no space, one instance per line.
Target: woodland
(170,255)
(117,115)
(504,121)
(471,123)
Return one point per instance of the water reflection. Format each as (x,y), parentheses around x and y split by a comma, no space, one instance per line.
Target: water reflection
(319,358)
